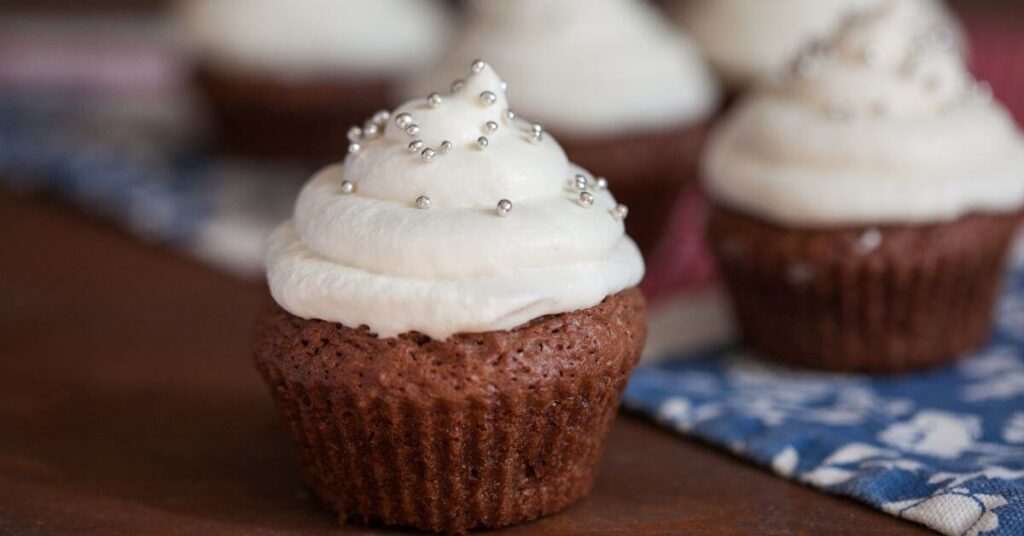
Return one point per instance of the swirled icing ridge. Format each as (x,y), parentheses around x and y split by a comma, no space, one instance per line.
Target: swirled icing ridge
(451,215)
(876,125)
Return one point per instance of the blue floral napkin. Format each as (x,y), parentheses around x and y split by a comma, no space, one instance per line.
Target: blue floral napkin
(128,163)
(943,448)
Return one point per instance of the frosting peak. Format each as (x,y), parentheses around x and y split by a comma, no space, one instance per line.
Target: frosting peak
(626,68)
(880,124)
(748,41)
(450,214)
(871,67)
(462,149)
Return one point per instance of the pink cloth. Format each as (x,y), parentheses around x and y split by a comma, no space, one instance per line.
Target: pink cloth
(682,261)
(997,56)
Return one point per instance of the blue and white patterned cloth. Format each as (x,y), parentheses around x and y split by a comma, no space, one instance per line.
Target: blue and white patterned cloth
(943,448)
(130,162)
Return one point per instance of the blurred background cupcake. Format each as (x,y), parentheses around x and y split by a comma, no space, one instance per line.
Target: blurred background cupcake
(746,41)
(287,79)
(864,204)
(626,94)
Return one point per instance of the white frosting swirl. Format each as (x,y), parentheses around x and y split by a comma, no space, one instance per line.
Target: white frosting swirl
(317,37)
(749,40)
(371,257)
(876,126)
(585,67)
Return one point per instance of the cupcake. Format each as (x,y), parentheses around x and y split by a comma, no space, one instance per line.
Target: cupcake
(748,41)
(863,204)
(281,78)
(454,317)
(627,95)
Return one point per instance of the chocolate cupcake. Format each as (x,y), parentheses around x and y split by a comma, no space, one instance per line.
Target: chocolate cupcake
(281,78)
(455,316)
(747,42)
(627,95)
(864,204)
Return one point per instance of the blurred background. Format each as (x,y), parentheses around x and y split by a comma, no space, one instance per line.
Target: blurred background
(128,110)
(128,377)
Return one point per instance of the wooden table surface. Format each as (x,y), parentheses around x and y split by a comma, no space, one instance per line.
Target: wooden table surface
(128,405)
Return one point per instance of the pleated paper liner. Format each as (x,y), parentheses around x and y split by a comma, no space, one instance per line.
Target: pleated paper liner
(875,299)
(483,430)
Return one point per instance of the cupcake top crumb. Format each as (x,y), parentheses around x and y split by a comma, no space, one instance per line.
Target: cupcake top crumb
(586,68)
(750,40)
(875,125)
(331,38)
(451,214)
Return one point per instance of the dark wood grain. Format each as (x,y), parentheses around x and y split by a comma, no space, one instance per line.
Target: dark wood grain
(128,405)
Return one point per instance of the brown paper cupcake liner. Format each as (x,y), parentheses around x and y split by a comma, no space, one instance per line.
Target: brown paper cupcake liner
(874,299)
(261,116)
(646,172)
(483,430)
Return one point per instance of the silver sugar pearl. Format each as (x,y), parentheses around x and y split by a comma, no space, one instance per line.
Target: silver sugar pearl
(371,130)
(482,142)
(839,111)
(536,133)
(423,202)
(355,134)
(488,98)
(510,115)
(811,59)
(585,200)
(869,241)
(580,182)
(428,154)
(871,54)
(504,207)
(602,183)
(490,127)
(412,129)
(620,212)
(354,148)
(457,85)
(381,117)
(434,100)
(984,90)
(403,120)
(807,66)
(478,66)
(416,146)
(943,38)
(347,187)
(446,147)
